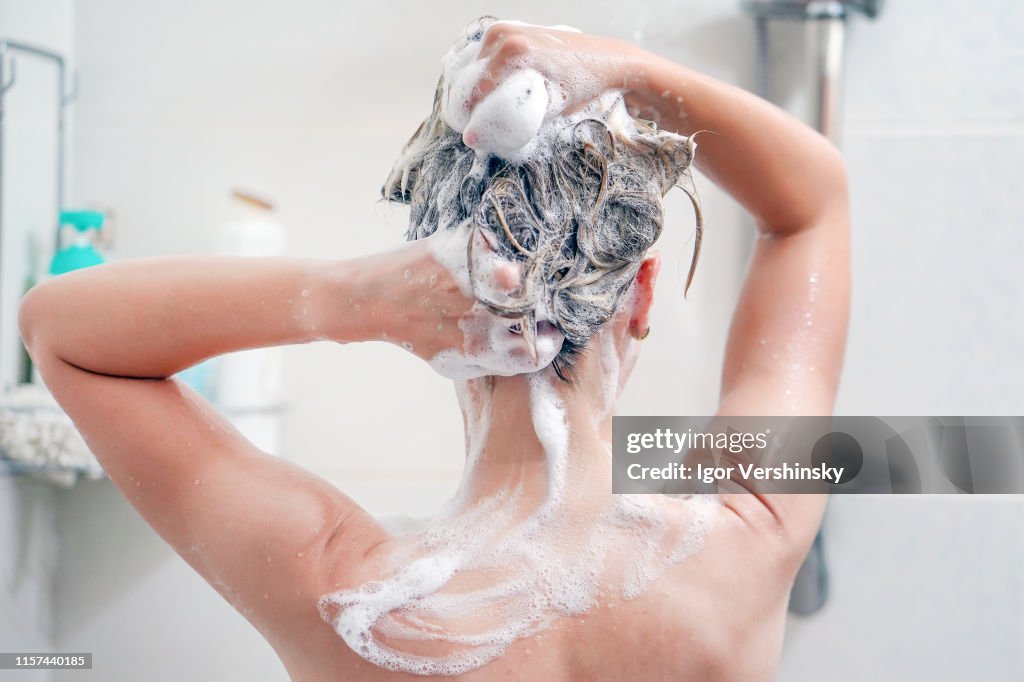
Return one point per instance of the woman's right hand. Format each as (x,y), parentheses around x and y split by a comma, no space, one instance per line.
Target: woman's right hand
(420,298)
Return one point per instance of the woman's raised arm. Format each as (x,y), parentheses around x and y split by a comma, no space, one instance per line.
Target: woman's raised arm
(788,333)
(107,340)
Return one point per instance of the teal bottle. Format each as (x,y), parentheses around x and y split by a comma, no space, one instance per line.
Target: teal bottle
(77,248)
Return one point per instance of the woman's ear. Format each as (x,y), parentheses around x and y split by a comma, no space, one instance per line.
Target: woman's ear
(643,296)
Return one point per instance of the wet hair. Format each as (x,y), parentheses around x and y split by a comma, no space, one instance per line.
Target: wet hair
(580,212)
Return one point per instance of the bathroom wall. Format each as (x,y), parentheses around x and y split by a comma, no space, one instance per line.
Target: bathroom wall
(28,196)
(922,588)
(29,536)
(181,102)
(934,138)
(929,588)
(28,563)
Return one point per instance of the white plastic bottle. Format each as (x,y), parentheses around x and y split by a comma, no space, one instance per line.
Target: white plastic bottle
(249,383)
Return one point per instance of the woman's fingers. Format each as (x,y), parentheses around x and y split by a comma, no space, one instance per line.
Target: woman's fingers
(485,86)
(508,277)
(458,334)
(506,41)
(503,45)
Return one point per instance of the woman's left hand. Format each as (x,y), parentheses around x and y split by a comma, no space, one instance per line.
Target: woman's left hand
(582,66)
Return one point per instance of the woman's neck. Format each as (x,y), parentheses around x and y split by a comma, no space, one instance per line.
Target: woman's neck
(536,433)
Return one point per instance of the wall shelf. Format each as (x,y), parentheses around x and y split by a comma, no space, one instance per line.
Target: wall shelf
(66,439)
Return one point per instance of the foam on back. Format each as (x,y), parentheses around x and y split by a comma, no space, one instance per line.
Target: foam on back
(456,593)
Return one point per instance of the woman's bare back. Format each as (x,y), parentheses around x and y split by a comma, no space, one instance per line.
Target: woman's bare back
(718,615)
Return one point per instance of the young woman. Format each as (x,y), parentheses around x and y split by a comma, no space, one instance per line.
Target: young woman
(531,284)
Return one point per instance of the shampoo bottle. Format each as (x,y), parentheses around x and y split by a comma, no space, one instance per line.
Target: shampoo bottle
(248,385)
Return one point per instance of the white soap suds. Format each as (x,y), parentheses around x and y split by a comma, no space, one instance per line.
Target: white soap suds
(459,590)
(510,117)
(610,370)
(551,427)
(507,120)
(491,348)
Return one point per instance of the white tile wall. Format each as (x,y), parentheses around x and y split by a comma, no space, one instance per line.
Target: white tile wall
(925,62)
(935,145)
(929,588)
(922,588)
(937,218)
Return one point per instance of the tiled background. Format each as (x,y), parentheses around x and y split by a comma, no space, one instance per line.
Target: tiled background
(182,101)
